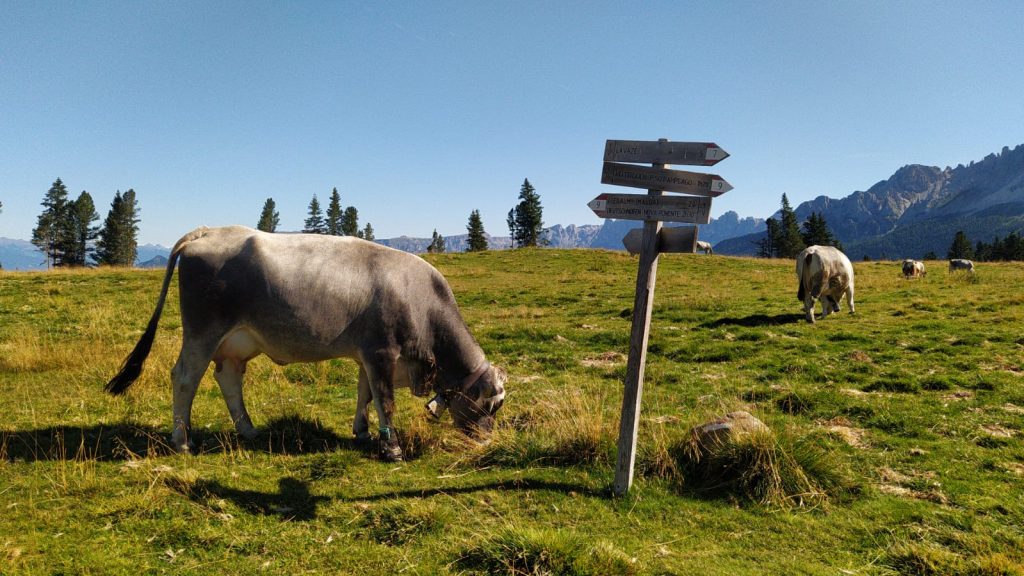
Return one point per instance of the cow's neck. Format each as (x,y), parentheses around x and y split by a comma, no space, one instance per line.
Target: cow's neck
(457,354)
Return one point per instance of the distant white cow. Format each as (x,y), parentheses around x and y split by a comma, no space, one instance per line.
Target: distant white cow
(826,273)
(705,246)
(913,268)
(961,264)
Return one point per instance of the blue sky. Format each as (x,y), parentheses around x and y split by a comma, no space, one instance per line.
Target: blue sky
(420,112)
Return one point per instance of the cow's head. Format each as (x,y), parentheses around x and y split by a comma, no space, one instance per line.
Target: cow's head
(474,406)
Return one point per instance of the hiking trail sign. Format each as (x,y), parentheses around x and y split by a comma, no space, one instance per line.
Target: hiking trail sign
(652,208)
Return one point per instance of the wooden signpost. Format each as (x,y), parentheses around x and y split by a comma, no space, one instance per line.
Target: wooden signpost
(681,240)
(689,209)
(652,209)
(664,180)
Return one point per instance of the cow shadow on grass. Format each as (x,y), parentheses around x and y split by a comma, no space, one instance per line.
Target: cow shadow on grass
(131,440)
(294,501)
(755,320)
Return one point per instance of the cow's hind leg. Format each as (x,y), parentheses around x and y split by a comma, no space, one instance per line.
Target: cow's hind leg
(229,373)
(361,422)
(379,371)
(185,376)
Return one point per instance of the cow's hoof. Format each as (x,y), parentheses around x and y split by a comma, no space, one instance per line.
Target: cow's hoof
(391,452)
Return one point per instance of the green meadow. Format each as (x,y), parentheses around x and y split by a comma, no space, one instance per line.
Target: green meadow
(896,444)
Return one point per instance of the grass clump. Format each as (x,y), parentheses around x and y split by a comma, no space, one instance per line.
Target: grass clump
(529,552)
(766,469)
(567,427)
(397,524)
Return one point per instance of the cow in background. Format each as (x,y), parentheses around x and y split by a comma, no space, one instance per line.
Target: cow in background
(913,268)
(705,246)
(824,273)
(961,264)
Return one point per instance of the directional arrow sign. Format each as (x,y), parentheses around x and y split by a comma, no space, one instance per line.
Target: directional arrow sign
(663,179)
(664,152)
(688,209)
(682,239)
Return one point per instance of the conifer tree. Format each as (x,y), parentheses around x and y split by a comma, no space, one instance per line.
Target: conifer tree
(436,243)
(789,243)
(766,247)
(270,218)
(367,233)
(817,233)
(82,214)
(315,223)
(118,238)
(476,238)
(350,222)
(511,221)
(52,233)
(527,218)
(961,247)
(335,217)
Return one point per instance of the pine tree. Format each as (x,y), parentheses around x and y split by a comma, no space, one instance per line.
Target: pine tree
(766,247)
(315,223)
(270,218)
(790,243)
(52,232)
(118,242)
(367,233)
(476,238)
(82,214)
(350,222)
(335,217)
(527,218)
(961,247)
(511,221)
(817,233)
(436,243)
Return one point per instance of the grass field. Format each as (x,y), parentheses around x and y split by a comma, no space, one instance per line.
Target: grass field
(906,418)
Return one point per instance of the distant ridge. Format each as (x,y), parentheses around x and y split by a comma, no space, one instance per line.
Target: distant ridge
(919,208)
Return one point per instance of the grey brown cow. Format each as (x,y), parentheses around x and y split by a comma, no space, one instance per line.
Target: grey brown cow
(307,297)
(957,264)
(826,273)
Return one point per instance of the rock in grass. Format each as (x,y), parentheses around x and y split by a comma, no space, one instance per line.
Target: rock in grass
(727,430)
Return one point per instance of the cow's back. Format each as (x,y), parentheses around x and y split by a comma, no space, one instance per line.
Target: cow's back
(305,296)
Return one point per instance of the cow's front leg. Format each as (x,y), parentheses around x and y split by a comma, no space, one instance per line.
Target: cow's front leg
(228,374)
(361,422)
(379,372)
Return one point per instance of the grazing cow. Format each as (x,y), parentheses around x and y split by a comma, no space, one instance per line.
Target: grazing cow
(304,298)
(705,246)
(961,264)
(913,268)
(826,273)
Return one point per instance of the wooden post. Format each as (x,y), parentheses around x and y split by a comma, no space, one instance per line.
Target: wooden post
(642,304)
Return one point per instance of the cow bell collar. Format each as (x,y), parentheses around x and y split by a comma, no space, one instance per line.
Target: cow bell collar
(439,403)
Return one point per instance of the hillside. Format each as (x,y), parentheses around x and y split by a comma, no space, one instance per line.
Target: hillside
(901,428)
(919,208)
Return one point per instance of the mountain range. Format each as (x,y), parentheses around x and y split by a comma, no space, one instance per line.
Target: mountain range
(919,209)
(915,211)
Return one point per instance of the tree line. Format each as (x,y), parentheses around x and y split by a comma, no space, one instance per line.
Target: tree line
(1007,249)
(525,222)
(786,236)
(66,234)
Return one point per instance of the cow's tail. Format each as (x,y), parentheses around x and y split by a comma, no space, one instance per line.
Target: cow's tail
(806,265)
(132,366)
